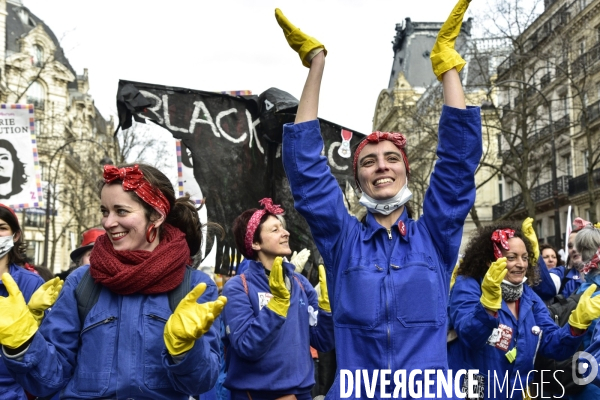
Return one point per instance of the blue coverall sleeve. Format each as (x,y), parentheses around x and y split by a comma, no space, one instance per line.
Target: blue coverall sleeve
(546,289)
(451,192)
(48,363)
(557,342)
(250,335)
(321,335)
(472,323)
(317,194)
(198,370)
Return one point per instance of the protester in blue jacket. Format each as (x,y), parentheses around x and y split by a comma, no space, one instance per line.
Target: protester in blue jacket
(273,315)
(388,276)
(587,244)
(130,344)
(574,276)
(12,253)
(500,323)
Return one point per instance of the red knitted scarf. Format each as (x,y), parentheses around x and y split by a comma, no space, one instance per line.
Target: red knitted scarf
(140,271)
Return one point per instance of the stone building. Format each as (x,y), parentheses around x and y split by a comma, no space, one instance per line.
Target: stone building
(555,89)
(73,138)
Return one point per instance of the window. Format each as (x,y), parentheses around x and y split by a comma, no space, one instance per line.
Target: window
(38,55)
(581,47)
(35,219)
(585,155)
(36,95)
(500,189)
(43,171)
(564,103)
(35,251)
(39,127)
(566,162)
(499,146)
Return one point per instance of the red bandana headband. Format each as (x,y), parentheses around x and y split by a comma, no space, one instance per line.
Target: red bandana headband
(579,224)
(133,180)
(593,264)
(500,237)
(397,138)
(270,208)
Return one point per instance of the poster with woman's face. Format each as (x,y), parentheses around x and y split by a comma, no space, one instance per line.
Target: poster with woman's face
(20,185)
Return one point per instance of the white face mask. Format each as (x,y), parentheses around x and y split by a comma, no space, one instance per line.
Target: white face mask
(386,207)
(6,244)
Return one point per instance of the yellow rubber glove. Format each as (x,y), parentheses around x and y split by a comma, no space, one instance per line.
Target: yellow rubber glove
(491,291)
(44,297)
(306,46)
(17,325)
(588,309)
(324,296)
(191,320)
(529,233)
(280,302)
(455,273)
(299,259)
(443,56)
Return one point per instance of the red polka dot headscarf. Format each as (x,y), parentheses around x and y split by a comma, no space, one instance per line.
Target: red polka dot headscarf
(133,180)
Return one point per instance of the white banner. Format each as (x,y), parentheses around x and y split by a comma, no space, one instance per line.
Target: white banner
(20,185)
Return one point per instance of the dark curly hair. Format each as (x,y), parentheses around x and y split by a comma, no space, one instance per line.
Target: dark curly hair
(479,253)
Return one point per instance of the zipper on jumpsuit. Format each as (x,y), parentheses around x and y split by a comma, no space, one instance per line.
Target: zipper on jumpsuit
(387,308)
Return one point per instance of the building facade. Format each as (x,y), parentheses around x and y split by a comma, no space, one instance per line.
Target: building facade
(73,138)
(553,91)
(412,103)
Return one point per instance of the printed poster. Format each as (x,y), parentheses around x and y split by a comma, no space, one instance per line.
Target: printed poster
(20,183)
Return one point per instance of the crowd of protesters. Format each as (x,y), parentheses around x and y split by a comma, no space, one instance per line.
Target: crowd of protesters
(131,319)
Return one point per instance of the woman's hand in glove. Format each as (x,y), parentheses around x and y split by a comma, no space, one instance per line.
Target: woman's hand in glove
(491,291)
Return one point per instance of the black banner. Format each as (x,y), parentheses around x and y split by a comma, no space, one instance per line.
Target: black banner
(235,148)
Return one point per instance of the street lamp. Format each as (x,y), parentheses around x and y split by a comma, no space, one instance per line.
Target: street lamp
(104,161)
(557,234)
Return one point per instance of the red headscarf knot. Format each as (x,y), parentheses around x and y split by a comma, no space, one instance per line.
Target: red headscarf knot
(269,208)
(500,237)
(579,224)
(593,263)
(133,180)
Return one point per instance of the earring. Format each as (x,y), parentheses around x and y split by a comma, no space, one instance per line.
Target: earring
(151,233)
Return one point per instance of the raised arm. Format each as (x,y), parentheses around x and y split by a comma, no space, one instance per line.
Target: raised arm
(312,53)
(446,61)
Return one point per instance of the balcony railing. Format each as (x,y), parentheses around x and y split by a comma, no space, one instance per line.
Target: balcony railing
(579,184)
(586,60)
(538,194)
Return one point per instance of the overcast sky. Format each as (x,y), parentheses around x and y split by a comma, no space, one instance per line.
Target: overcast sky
(236,45)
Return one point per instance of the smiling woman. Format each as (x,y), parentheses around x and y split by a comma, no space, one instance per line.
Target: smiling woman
(500,323)
(138,267)
(273,315)
(380,265)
